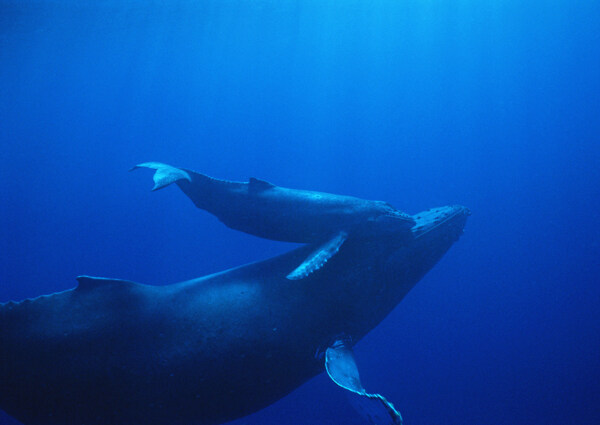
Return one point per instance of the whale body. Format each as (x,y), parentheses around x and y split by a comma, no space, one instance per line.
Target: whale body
(211,349)
(279,213)
(273,212)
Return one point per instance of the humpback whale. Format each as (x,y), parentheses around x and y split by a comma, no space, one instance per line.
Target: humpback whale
(216,348)
(290,215)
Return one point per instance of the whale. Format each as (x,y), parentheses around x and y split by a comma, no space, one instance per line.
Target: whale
(263,209)
(215,348)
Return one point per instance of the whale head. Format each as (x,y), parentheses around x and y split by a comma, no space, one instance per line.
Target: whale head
(433,233)
(441,223)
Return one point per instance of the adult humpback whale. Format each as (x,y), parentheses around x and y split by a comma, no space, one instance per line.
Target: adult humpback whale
(212,349)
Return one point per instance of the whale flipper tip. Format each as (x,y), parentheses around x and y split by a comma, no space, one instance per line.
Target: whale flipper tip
(341,368)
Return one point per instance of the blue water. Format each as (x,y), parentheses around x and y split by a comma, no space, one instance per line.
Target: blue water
(494,105)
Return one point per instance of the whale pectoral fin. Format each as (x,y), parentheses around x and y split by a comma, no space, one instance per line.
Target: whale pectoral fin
(341,368)
(318,257)
(165,174)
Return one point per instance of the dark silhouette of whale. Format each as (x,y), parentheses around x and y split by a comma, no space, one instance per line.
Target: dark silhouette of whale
(212,349)
(290,215)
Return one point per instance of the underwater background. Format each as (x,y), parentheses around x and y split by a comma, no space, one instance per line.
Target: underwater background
(493,105)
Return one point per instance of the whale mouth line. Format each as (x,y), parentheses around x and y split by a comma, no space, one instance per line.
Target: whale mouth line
(436,217)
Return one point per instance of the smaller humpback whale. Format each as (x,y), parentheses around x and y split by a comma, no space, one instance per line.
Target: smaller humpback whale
(263,209)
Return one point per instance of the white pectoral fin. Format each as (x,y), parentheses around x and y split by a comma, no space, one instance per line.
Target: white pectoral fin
(341,368)
(319,257)
(164,174)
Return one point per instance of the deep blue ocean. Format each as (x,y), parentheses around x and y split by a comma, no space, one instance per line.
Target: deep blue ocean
(421,103)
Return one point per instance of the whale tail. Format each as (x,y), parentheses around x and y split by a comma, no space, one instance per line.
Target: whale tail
(200,188)
(164,174)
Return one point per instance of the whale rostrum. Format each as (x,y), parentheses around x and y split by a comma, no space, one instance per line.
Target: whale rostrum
(216,348)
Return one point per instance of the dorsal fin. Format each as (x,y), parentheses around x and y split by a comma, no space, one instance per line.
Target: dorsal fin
(258,184)
(90,282)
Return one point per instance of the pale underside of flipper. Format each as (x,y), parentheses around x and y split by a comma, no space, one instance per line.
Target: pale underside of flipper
(319,257)
(341,368)
(164,174)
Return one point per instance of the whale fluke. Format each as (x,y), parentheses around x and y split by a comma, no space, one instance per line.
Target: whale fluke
(164,174)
